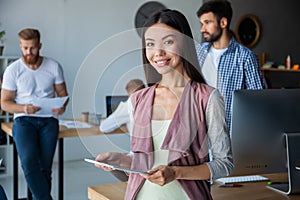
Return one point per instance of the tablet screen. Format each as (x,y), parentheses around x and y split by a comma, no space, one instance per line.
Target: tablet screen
(115,167)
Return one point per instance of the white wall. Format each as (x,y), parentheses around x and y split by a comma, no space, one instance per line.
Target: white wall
(97,45)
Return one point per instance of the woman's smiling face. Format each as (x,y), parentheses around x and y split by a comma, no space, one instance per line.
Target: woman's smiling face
(163,48)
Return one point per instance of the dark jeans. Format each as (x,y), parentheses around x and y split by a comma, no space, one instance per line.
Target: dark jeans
(36,139)
(2,193)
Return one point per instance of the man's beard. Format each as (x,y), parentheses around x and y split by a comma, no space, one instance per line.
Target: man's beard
(213,38)
(31,61)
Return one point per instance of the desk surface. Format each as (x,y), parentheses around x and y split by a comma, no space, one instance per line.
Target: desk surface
(249,191)
(113,191)
(65,132)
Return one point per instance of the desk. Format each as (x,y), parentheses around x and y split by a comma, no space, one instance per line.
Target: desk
(64,132)
(249,191)
(114,191)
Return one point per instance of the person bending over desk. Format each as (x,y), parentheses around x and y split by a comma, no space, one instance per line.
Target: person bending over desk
(175,121)
(121,116)
(35,135)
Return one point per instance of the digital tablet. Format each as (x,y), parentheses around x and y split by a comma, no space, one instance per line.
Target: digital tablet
(115,167)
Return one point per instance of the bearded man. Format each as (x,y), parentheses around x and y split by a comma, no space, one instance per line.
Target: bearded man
(35,133)
(225,64)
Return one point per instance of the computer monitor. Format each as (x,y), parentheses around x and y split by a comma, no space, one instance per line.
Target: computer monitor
(112,102)
(260,119)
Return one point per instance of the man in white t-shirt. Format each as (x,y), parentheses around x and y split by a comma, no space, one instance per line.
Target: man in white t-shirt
(35,133)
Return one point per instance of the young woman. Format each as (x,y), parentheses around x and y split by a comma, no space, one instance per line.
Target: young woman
(175,121)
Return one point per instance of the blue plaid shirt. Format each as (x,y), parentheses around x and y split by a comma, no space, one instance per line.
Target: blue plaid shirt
(238,69)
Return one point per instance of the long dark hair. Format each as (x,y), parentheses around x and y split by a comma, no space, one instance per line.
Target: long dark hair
(178,21)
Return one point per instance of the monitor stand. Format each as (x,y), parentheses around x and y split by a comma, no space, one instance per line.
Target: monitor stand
(293,158)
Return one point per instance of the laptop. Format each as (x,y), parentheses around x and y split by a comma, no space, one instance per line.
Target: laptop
(112,102)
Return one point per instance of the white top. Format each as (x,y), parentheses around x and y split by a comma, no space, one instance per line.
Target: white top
(31,84)
(119,117)
(210,66)
(149,190)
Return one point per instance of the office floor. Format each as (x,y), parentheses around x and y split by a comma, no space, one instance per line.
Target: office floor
(78,175)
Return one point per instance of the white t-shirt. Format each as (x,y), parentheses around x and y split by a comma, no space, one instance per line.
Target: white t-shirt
(210,66)
(31,84)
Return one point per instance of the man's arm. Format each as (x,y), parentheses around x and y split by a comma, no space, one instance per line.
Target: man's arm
(8,103)
(253,74)
(61,91)
(119,117)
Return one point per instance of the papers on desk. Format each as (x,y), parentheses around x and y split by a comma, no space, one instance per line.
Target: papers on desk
(47,104)
(74,124)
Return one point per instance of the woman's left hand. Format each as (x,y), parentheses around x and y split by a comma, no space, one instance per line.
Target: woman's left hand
(161,175)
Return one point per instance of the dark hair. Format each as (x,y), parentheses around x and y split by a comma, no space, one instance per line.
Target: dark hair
(220,8)
(176,20)
(29,34)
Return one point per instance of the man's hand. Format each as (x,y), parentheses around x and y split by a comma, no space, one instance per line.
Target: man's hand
(58,111)
(31,109)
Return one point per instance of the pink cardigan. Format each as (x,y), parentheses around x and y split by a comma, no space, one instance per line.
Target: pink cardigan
(186,138)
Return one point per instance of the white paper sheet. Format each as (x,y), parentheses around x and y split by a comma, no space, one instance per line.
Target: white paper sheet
(74,124)
(47,104)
